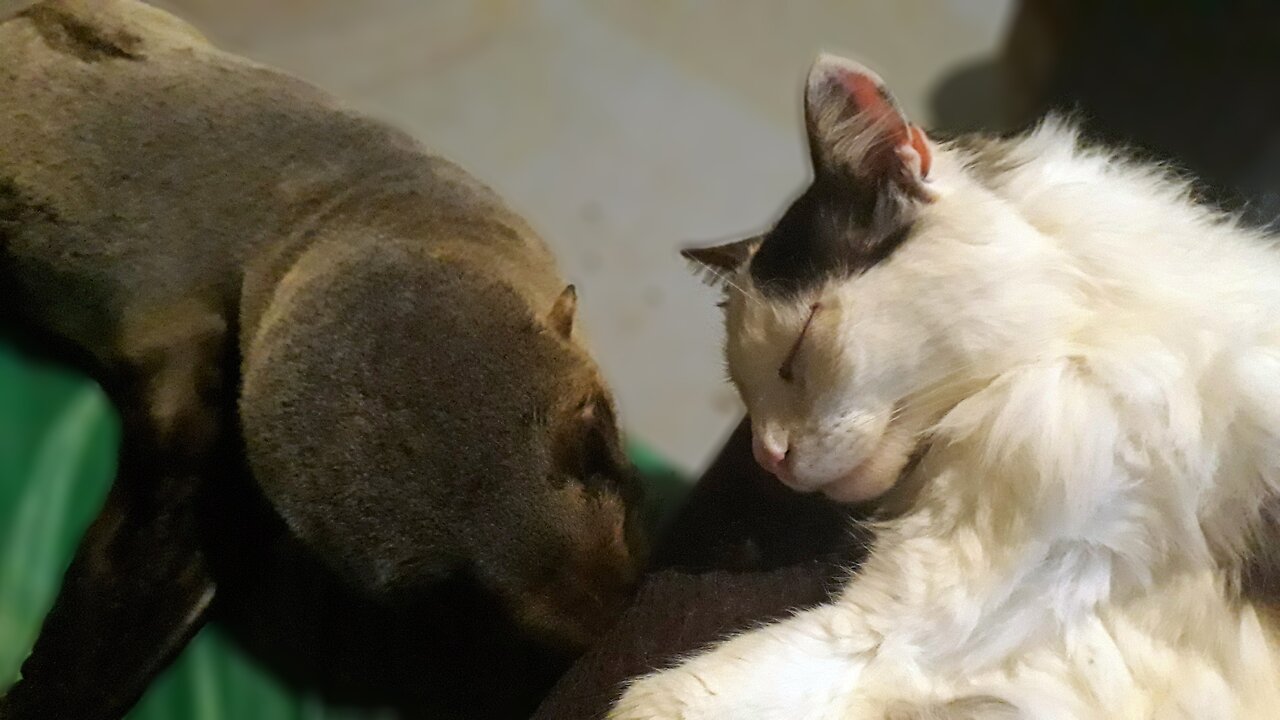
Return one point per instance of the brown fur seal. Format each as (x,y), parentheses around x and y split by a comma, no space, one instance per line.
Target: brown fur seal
(336,356)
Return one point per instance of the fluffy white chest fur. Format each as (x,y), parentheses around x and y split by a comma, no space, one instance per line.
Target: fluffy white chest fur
(1061,377)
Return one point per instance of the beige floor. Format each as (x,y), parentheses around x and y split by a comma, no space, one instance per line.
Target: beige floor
(623,129)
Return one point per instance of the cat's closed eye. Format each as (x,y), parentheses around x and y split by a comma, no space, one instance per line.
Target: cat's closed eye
(787,370)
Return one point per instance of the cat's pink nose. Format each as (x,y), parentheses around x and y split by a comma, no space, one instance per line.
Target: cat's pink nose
(771,454)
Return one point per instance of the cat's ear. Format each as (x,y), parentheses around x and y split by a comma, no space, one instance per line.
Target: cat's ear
(857,130)
(560,319)
(717,261)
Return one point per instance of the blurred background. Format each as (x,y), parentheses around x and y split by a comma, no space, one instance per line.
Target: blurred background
(624,130)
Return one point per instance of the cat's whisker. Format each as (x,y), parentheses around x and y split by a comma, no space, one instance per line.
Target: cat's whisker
(725,279)
(923,401)
(952,384)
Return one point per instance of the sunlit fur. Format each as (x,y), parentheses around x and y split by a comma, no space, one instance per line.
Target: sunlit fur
(1087,365)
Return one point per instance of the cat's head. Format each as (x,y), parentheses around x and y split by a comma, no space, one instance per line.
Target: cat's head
(894,283)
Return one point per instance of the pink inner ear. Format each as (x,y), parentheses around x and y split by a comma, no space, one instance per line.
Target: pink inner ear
(870,99)
(920,142)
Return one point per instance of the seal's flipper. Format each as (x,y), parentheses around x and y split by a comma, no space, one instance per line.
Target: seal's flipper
(138,589)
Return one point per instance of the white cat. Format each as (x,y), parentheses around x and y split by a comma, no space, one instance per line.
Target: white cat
(1060,376)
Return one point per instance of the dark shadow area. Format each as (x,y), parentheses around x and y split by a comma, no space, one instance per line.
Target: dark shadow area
(740,518)
(970,99)
(450,653)
(1188,82)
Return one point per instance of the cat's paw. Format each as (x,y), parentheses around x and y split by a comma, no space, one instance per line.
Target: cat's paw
(670,695)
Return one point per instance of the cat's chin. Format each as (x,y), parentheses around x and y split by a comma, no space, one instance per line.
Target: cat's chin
(872,477)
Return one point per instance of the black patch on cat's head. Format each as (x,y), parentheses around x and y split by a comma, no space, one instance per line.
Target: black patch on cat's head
(870,166)
(839,227)
(869,163)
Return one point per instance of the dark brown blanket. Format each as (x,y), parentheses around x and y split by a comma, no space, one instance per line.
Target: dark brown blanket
(675,614)
(743,551)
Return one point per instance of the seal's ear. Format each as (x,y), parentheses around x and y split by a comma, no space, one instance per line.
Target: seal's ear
(718,261)
(560,319)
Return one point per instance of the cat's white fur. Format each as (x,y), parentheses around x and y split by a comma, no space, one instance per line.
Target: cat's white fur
(1093,363)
